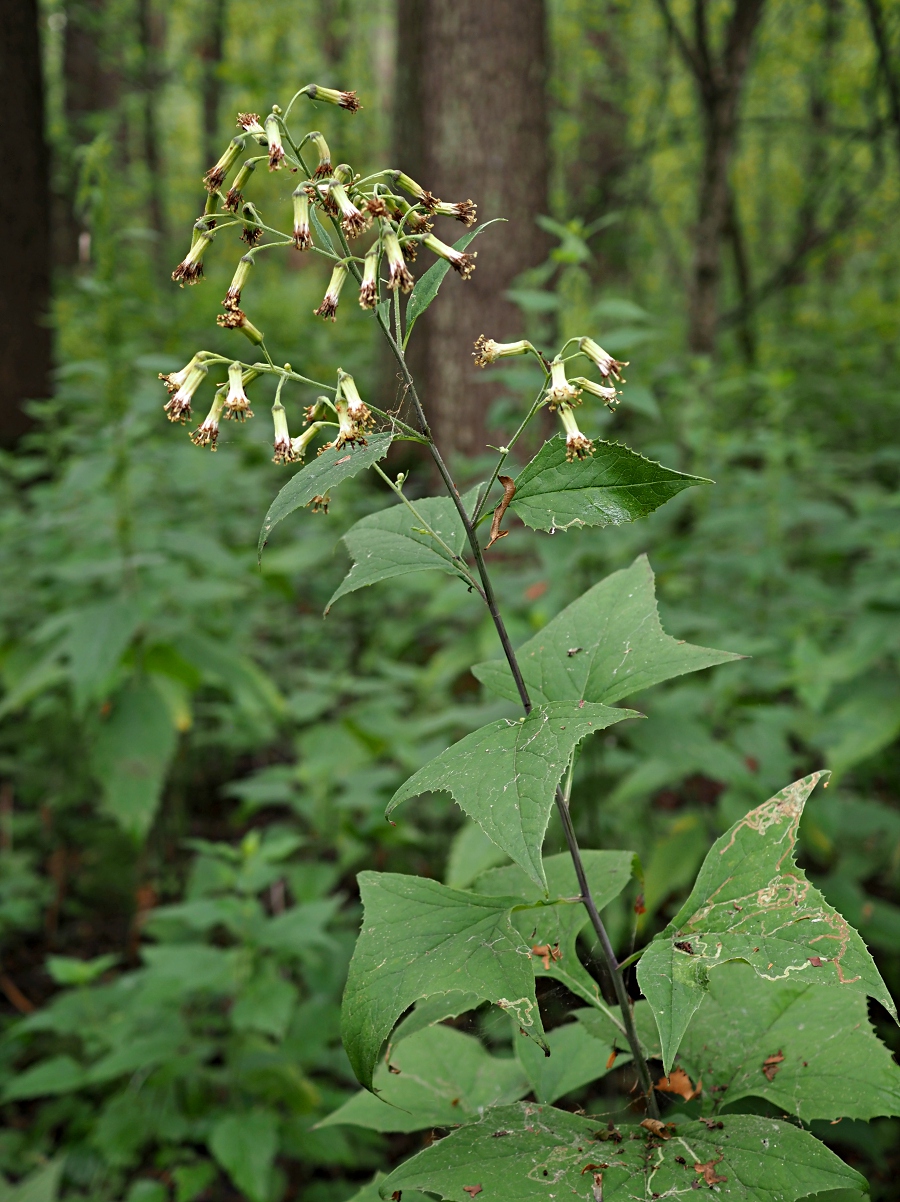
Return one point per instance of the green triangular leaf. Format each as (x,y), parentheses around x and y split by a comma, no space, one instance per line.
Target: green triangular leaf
(613,486)
(606,645)
(505,775)
(420,939)
(751,902)
(519,1153)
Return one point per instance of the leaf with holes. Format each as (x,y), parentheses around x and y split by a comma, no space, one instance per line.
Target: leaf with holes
(751,902)
(505,775)
(606,645)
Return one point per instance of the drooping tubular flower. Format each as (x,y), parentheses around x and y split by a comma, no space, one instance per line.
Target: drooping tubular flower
(252,231)
(273,136)
(358,410)
(235,288)
(178,406)
(609,395)
(465,211)
(345,100)
(460,261)
(300,444)
(236,319)
(488,351)
(577,446)
(302,236)
(284,451)
(398,272)
(173,380)
(352,219)
(329,304)
(425,198)
(207,434)
(349,430)
(324,167)
(234,196)
(560,391)
(237,404)
(249,122)
(215,177)
(190,269)
(607,365)
(368,292)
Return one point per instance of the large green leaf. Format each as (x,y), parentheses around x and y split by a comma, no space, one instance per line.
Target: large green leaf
(40,1186)
(419,939)
(505,775)
(315,479)
(612,486)
(519,1153)
(606,645)
(393,543)
(576,1058)
(751,902)
(557,927)
(245,1146)
(437,1077)
(427,286)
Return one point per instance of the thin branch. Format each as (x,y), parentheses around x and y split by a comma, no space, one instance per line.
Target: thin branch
(886,62)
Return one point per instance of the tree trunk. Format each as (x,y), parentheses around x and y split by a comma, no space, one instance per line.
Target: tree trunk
(26,343)
(211,51)
(471,122)
(150,38)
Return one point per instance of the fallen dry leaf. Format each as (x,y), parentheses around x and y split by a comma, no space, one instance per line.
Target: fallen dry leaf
(546,953)
(771,1065)
(815,961)
(472,1190)
(612,1059)
(655,1127)
(708,1172)
(679,1082)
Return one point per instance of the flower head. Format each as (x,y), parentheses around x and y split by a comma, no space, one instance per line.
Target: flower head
(190,269)
(352,219)
(273,137)
(607,365)
(398,272)
(235,288)
(207,434)
(488,351)
(358,410)
(329,304)
(234,196)
(178,406)
(252,231)
(425,198)
(300,445)
(237,404)
(349,429)
(560,391)
(368,292)
(461,262)
(284,452)
(173,380)
(577,446)
(302,236)
(235,319)
(465,211)
(376,207)
(215,177)
(249,122)
(324,167)
(345,100)
(609,395)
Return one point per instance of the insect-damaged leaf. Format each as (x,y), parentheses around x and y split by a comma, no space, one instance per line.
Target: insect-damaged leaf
(516,1153)
(556,927)
(606,645)
(751,902)
(612,486)
(316,478)
(505,775)
(437,1077)
(419,939)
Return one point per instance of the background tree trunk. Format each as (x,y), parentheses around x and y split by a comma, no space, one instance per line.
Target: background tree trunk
(25,337)
(211,51)
(471,121)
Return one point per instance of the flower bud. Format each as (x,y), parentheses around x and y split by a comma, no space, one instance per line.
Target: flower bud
(207,434)
(324,167)
(488,351)
(358,410)
(465,211)
(252,232)
(560,392)
(329,304)
(235,319)
(368,292)
(610,396)
(577,446)
(398,272)
(352,220)
(237,404)
(608,366)
(284,452)
(346,100)
(343,173)
(302,236)
(273,137)
(300,445)
(233,295)
(422,195)
(234,197)
(190,269)
(458,260)
(215,177)
(249,122)
(178,406)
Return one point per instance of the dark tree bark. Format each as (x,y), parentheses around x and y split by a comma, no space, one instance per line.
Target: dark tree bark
(471,122)
(25,338)
(150,38)
(211,51)
(719,79)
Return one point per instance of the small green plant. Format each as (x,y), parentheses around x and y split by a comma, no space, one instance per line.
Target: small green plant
(753,1020)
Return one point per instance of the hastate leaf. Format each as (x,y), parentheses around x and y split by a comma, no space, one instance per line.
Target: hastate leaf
(315,479)
(519,1153)
(393,543)
(751,902)
(437,1077)
(420,939)
(505,775)
(612,486)
(606,645)
(552,931)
